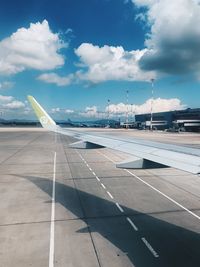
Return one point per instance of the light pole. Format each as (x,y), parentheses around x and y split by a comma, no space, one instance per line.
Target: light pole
(127,109)
(108,112)
(132,112)
(152,92)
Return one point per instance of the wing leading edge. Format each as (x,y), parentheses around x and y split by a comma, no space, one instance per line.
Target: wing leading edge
(144,154)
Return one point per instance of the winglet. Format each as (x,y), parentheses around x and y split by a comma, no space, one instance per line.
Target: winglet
(46,121)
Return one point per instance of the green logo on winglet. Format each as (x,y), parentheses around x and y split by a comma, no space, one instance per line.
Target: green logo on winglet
(41,114)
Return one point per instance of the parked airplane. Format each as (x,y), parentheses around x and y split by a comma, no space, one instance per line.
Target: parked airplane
(145,154)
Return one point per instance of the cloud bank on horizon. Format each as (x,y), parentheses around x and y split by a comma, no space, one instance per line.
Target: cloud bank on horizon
(121,109)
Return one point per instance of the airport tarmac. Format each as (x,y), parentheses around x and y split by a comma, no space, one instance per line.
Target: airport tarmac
(72,207)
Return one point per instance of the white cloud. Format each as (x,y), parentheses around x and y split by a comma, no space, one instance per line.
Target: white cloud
(9,103)
(121,109)
(62,111)
(11,108)
(35,47)
(144,2)
(159,105)
(6,85)
(4,98)
(90,112)
(56,79)
(14,105)
(110,63)
(174,38)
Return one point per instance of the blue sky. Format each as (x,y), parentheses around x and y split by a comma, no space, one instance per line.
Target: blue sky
(74,55)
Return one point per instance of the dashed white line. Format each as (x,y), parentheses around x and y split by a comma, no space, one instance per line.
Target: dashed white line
(155,254)
(52,228)
(97,178)
(109,194)
(103,186)
(164,195)
(119,207)
(132,224)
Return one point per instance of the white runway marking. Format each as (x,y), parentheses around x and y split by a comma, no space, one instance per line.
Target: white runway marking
(132,224)
(164,195)
(154,253)
(150,247)
(109,194)
(52,229)
(97,178)
(103,186)
(158,191)
(119,207)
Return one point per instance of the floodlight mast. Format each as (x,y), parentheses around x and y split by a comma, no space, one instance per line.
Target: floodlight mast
(108,112)
(152,93)
(132,112)
(127,109)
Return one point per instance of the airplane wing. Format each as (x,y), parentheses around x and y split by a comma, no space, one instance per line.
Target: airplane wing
(144,154)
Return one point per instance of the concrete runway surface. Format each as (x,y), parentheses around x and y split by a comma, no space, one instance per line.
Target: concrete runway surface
(67,207)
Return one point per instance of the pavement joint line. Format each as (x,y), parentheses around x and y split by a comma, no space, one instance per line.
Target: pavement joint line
(64,220)
(132,224)
(52,228)
(119,207)
(20,149)
(151,249)
(103,186)
(164,195)
(155,189)
(110,194)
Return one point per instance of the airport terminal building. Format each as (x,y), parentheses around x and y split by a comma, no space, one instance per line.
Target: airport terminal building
(185,120)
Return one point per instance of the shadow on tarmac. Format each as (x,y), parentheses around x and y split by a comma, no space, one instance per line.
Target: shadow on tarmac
(175,245)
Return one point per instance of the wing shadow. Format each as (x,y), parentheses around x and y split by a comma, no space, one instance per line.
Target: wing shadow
(175,245)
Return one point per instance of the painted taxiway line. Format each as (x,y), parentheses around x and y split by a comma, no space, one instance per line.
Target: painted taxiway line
(110,195)
(151,249)
(154,253)
(103,186)
(97,178)
(119,207)
(132,224)
(52,227)
(164,195)
(155,189)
